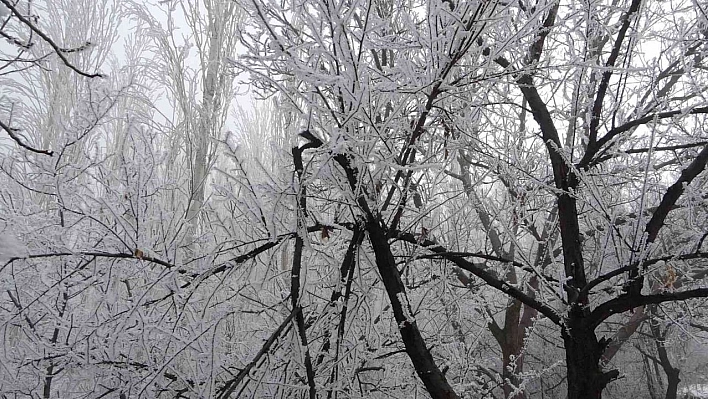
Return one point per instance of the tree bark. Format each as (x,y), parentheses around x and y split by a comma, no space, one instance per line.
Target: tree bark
(423,362)
(583,351)
(672,373)
(672,376)
(511,340)
(512,363)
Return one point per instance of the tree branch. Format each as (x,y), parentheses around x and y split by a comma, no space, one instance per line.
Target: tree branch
(13,135)
(672,195)
(605,82)
(627,302)
(619,271)
(486,275)
(59,51)
(231,385)
(296,271)
(674,192)
(434,380)
(589,158)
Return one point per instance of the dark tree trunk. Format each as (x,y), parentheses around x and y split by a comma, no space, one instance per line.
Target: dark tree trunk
(583,352)
(673,377)
(511,341)
(512,363)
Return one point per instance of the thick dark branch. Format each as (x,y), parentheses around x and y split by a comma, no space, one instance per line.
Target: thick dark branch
(139,254)
(537,47)
(97,254)
(567,181)
(666,148)
(564,177)
(627,302)
(619,271)
(296,271)
(668,201)
(244,257)
(549,132)
(445,255)
(346,278)
(538,107)
(674,193)
(493,281)
(408,237)
(418,352)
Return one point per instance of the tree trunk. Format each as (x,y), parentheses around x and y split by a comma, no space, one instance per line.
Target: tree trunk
(512,363)
(583,352)
(511,341)
(672,373)
(672,376)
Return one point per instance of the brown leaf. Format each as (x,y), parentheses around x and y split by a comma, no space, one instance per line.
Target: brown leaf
(325,233)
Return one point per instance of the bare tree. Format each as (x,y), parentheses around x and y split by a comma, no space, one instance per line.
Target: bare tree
(440,198)
(31,46)
(618,113)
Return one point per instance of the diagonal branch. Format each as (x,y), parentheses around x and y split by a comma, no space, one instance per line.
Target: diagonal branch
(537,47)
(433,378)
(619,271)
(58,50)
(674,193)
(565,178)
(605,82)
(297,268)
(231,385)
(430,374)
(589,159)
(12,132)
(97,254)
(486,275)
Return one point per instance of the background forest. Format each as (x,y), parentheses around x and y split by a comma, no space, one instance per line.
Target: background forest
(353,198)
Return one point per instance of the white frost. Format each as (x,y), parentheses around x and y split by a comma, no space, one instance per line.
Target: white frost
(694,391)
(10,247)
(406,307)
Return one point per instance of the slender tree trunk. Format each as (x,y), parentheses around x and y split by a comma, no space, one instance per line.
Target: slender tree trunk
(654,382)
(672,373)
(296,272)
(200,141)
